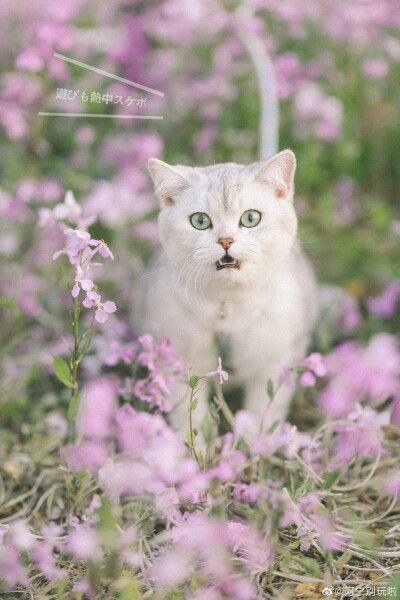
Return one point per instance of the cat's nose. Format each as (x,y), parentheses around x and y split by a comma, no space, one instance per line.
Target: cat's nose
(225,242)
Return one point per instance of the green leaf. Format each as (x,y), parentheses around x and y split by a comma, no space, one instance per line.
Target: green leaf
(191,438)
(214,412)
(193,382)
(201,460)
(193,405)
(274,426)
(7,303)
(62,372)
(288,564)
(83,476)
(331,479)
(311,566)
(270,390)
(73,407)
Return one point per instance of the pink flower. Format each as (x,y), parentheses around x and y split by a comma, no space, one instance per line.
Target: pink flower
(308,503)
(99,403)
(93,299)
(392,485)
(245,423)
(83,543)
(45,559)
(307,379)
(104,250)
(85,284)
(11,570)
(71,251)
(396,412)
(362,436)
(375,68)
(69,209)
(385,305)
(324,528)
(286,378)
(29,60)
(315,363)
(90,454)
(223,375)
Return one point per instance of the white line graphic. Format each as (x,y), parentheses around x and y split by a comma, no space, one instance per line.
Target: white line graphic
(60,114)
(107,74)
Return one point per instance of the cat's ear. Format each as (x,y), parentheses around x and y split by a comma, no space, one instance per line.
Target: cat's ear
(278,171)
(169,181)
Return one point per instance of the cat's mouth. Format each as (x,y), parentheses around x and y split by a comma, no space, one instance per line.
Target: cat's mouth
(227,262)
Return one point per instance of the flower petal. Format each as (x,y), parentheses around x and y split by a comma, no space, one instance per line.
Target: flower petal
(109,306)
(87,284)
(87,302)
(101,316)
(75,290)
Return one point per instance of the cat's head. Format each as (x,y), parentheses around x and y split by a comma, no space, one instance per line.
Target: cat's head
(227,222)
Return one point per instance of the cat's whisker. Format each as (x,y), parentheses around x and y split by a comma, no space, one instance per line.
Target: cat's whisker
(199,279)
(204,265)
(191,274)
(185,265)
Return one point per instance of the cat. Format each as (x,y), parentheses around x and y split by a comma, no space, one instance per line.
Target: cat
(231,274)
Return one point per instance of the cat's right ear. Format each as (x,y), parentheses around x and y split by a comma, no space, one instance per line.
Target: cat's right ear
(168,181)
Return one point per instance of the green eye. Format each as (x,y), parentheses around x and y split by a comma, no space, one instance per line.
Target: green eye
(250,218)
(200,221)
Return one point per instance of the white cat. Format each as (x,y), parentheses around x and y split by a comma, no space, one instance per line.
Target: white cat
(232,273)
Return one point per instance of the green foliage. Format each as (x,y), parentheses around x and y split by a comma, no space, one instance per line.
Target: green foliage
(63,372)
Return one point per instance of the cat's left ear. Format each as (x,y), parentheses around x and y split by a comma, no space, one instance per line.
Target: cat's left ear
(279,172)
(169,182)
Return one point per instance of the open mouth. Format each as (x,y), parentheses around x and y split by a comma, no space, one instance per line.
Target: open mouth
(227,262)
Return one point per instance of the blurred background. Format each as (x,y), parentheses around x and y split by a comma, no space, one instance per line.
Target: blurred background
(336,73)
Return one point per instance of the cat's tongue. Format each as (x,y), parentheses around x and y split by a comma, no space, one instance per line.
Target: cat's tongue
(227,262)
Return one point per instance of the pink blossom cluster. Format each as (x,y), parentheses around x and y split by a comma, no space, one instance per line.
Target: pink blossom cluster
(81,249)
(370,375)
(310,367)
(386,304)
(163,365)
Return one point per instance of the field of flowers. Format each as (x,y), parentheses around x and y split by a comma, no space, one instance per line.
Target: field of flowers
(99,498)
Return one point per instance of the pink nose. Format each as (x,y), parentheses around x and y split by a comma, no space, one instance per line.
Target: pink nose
(225,242)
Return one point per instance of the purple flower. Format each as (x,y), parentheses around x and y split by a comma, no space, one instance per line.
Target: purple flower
(245,423)
(309,502)
(396,412)
(307,379)
(286,377)
(357,373)
(223,375)
(81,281)
(45,559)
(99,404)
(90,454)
(361,437)
(69,209)
(83,543)
(325,530)
(93,299)
(104,250)
(11,570)
(385,305)
(315,363)
(392,485)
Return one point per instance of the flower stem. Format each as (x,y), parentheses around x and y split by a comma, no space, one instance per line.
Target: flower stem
(74,372)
